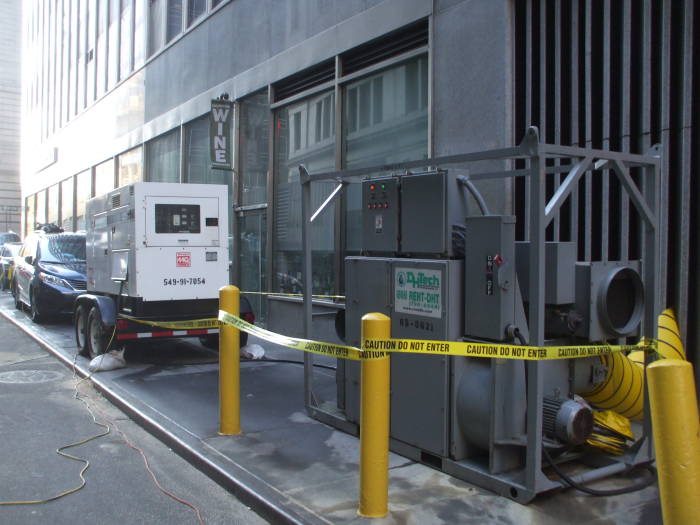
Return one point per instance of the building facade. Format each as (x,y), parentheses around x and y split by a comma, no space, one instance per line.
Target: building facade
(10,113)
(119,91)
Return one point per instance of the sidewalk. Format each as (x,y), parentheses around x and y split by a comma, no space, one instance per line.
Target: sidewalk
(292,468)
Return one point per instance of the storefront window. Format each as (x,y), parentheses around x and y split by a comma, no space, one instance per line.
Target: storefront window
(304,134)
(41,207)
(83,191)
(29,214)
(386,121)
(197,163)
(52,204)
(254,149)
(104,177)
(67,204)
(129,167)
(163,158)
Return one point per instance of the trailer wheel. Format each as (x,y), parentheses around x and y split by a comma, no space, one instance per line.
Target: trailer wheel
(211,341)
(80,324)
(96,337)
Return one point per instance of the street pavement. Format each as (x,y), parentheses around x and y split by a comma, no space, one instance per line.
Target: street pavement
(40,412)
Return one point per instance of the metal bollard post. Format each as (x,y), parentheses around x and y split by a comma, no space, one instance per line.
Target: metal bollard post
(229,365)
(374,423)
(674,417)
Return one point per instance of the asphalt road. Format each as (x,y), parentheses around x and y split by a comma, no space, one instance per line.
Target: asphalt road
(40,412)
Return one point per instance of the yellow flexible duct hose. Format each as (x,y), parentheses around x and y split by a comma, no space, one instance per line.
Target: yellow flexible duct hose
(623,387)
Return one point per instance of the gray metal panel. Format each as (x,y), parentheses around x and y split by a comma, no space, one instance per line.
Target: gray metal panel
(560,260)
(489,283)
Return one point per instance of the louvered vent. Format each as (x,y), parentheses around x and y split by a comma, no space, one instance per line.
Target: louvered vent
(116,200)
(388,46)
(299,82)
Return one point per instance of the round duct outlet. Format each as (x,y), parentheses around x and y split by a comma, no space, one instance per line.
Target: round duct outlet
(621,301)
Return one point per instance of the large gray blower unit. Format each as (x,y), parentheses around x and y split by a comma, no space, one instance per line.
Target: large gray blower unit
(442,267)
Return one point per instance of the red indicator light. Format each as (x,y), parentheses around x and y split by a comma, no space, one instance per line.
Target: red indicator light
(386,204)
(498,260)
(372,187)
(369,206)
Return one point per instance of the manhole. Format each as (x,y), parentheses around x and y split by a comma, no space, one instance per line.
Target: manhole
(30,376)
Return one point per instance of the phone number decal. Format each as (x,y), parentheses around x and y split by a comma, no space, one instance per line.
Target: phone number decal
(184,281)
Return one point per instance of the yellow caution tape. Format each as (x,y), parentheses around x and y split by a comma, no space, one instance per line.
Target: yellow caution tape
(494,350)
(340,351)
(377,348)
(192,324)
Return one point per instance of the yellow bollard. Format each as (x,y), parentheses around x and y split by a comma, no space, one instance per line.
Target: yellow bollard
(674,417)
(229,365)
(374,423)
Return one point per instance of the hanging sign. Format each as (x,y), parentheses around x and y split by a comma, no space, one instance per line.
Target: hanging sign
(220,120)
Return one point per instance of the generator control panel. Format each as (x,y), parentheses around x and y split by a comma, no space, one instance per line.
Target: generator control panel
(380,218)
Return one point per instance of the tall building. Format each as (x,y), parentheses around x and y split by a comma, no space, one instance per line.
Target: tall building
(119,90)
(10,112)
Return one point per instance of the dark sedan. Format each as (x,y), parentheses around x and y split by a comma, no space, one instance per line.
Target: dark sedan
(49,273)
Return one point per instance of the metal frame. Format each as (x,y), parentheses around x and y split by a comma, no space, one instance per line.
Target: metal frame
(542,160)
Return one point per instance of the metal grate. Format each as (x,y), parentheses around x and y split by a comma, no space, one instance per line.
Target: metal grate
(307,79)
(619,75)
(388,46)
(116,200)
(77,284)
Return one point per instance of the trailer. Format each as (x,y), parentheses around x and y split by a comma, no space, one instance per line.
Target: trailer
(157,255)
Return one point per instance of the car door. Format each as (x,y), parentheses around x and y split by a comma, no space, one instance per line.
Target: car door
(24,270)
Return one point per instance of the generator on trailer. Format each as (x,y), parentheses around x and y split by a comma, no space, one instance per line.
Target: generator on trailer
(157,254)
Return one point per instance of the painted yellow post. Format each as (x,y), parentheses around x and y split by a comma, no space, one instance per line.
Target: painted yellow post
(229,365)
(374,423)
(674,417)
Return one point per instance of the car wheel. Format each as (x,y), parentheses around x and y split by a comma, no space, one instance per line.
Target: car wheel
(15,292)
(36,315)
(80,324)
(211,341)
(96,338)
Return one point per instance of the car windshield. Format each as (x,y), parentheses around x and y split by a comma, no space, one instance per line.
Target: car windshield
(63,249)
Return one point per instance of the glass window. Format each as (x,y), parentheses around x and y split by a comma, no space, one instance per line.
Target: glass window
(254,148)
(130,167)
(300,141)
(104,177)
(66,62)
(29,214)
(67,204)
(101,54)
(174,26)
(83,191)
(214,3)
(90,51)
(41,207)
(198,165)
(82,54)
(73,91)
(139,32)
(195,9)
(52,205)
(113,51)
(386,121)
(126,40)
(163,158)
(155,28)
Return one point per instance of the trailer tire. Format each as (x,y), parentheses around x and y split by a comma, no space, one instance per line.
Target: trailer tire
(96,339)
(80,324)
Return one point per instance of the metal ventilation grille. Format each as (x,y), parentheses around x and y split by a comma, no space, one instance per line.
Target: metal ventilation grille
(307,79)
(388,46)
(116,200)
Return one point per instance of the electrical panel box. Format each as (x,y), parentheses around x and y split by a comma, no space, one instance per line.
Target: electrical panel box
(422,297)
(432,205)
(158,241)
(413,215)
(489,276)
(380,217)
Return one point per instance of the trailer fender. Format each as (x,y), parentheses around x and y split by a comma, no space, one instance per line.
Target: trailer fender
(105,306)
